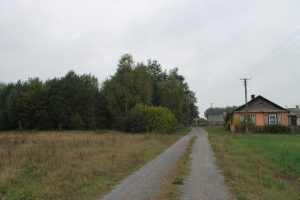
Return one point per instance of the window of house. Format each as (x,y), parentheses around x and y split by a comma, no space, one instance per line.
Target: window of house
(272,119)
(253,118)
(250,117)
(289,121)
(242,118)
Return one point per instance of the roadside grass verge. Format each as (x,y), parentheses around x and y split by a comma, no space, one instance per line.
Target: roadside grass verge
(258,166)
(72,164)
(171,188)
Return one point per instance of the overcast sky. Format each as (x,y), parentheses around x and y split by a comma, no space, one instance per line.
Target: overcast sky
(212,42)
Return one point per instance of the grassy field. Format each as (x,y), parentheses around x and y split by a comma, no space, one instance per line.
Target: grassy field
(72,165)
(258,166)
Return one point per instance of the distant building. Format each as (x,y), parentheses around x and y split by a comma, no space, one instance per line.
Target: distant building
(200,121)
(294,116)
(260,111)
(215,119)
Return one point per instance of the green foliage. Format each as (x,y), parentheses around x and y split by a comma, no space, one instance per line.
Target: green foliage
(143,118)
(227,126)
(176,96)
(276,128)
(178,181)
(34,104)
(76,122)
(242,126)
(149,85)
(219,110)
(77,102)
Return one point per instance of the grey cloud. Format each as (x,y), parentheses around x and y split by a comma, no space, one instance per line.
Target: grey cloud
(213,43)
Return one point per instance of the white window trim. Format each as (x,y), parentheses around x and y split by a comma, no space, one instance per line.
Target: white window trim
(266,119)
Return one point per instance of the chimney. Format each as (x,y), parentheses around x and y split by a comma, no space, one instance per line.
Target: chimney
(252,96)
(297,106)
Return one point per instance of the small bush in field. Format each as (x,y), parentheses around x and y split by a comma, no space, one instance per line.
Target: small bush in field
(143,118)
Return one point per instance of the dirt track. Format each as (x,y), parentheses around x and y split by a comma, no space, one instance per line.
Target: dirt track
(205,182)
(145,183)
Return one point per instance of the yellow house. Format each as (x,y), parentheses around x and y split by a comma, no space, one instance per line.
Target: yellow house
(260,111)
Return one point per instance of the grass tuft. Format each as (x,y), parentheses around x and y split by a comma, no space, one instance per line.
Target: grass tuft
(178,181)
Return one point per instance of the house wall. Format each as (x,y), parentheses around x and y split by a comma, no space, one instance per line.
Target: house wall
(260,118)
(284,119)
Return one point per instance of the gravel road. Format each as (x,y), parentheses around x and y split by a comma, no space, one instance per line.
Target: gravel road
(145,183)
(205,182)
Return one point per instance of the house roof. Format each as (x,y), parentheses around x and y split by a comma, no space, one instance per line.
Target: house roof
(260,104)
(295,111)
(215,118)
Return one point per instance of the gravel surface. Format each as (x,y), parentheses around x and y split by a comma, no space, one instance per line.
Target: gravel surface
(145,183)
(205,182)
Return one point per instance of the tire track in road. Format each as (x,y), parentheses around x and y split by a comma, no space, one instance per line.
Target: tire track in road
(205,181)
(145,183)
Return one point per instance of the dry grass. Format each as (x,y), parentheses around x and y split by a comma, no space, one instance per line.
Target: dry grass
(171,188)
(249,171)
(71,165)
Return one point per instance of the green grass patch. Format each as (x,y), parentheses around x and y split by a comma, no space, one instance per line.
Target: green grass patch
(178,181)
(258,166)
(281,150)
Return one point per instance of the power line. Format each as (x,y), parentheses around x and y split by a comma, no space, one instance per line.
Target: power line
(283,50)
(277,52)
(278,59)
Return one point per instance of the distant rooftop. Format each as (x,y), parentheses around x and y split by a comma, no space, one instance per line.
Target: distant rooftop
(295,111)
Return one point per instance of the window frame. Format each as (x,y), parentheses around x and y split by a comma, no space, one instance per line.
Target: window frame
(289,121)
(266,119)
(275,118)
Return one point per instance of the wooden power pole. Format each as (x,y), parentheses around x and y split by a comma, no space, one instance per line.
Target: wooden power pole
(246,101)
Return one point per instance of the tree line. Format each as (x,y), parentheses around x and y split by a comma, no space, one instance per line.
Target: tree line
(219,110)
(138,97)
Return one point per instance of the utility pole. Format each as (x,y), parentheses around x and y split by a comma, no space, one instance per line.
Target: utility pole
(246,101)
(211,105)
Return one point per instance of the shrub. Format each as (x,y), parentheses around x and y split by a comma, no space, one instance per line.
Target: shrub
(227,126)
(135,121)
(242,126)
(276,128)
(143,118)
